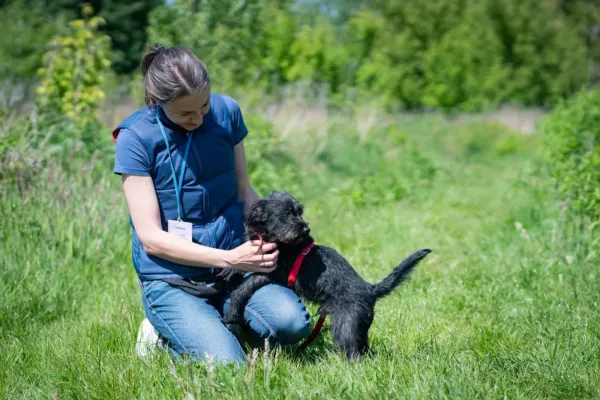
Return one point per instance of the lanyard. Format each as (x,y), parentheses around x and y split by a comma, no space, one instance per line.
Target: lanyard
(178,184)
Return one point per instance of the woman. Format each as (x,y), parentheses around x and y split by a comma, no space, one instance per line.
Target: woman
(185,180)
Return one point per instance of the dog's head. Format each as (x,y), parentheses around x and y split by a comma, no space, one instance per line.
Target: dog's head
(277,218)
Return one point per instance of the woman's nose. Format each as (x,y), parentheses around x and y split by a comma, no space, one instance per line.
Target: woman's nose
(198,117)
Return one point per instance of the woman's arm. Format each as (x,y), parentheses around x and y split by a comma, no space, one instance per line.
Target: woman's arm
(245,191)
(143,207)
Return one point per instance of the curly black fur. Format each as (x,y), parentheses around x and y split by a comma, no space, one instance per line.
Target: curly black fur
(326,278)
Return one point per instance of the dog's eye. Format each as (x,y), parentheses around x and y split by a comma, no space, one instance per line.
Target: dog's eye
(288,212)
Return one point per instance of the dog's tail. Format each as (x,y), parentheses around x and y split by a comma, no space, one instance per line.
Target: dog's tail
(399,274)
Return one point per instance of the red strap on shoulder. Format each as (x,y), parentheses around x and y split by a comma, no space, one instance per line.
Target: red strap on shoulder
(297,264)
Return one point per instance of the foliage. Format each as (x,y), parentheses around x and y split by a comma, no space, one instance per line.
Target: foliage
(75,68)
(536,35)
(241,42)
(63,129)
(469,55)
(474,55)
(26,29)
(126,23)
(269,166)
(572,152)
(39,142)
(585,16)
(318,57)
(466,67)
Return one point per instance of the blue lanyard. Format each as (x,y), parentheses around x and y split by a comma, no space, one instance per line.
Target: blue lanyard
(178,184)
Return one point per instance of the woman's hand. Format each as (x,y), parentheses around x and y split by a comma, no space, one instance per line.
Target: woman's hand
(253,256)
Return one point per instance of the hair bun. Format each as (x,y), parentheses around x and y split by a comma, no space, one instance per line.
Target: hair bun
(153,50)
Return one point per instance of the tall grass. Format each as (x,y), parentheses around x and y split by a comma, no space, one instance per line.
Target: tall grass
(505,307)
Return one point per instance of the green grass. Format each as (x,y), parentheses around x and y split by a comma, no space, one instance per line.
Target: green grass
(505,307)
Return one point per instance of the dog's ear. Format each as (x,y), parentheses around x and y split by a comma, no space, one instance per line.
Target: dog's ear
(256,213)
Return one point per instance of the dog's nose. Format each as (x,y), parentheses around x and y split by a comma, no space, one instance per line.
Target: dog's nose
(306,229)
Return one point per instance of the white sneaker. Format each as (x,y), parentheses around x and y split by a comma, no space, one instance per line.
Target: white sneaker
(147,339)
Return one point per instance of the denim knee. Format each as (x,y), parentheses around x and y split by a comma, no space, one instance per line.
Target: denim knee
(292,325)
(293,328)
(277,313)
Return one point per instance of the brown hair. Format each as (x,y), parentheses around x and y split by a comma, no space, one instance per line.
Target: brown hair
(171,72)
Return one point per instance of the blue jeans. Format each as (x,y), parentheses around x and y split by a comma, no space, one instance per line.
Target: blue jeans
(192,325)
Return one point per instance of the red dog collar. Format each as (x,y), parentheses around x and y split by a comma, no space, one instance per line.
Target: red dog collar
(297,264)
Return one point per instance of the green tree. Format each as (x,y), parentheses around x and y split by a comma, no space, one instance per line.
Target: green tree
(25,29)
(318,56)
(547,56)
(448,54)
(126,23)
(241,42)
(466,68)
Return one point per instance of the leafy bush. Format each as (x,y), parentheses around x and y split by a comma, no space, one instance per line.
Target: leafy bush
(536,35)
(75,68)
(317,56)
(242,43)
(470,54)
(26,29)
(269,165)
(571,148)
(465,67)
(63,130)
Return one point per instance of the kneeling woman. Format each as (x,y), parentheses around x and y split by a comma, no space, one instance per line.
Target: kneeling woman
(185,180)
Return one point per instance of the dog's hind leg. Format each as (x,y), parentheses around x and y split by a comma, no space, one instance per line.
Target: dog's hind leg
(350,330)
(240,296)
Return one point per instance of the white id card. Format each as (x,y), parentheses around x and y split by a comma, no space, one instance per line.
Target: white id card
(181,229)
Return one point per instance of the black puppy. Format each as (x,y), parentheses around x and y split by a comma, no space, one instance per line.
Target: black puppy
(325,278)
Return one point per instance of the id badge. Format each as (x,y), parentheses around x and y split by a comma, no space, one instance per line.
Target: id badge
(181,229)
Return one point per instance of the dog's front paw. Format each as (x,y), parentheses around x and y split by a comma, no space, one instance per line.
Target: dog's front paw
(231,318)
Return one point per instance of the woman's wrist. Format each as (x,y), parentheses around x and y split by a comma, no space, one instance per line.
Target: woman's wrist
(221,258)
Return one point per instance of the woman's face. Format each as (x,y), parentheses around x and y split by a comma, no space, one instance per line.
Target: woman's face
(188,111)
